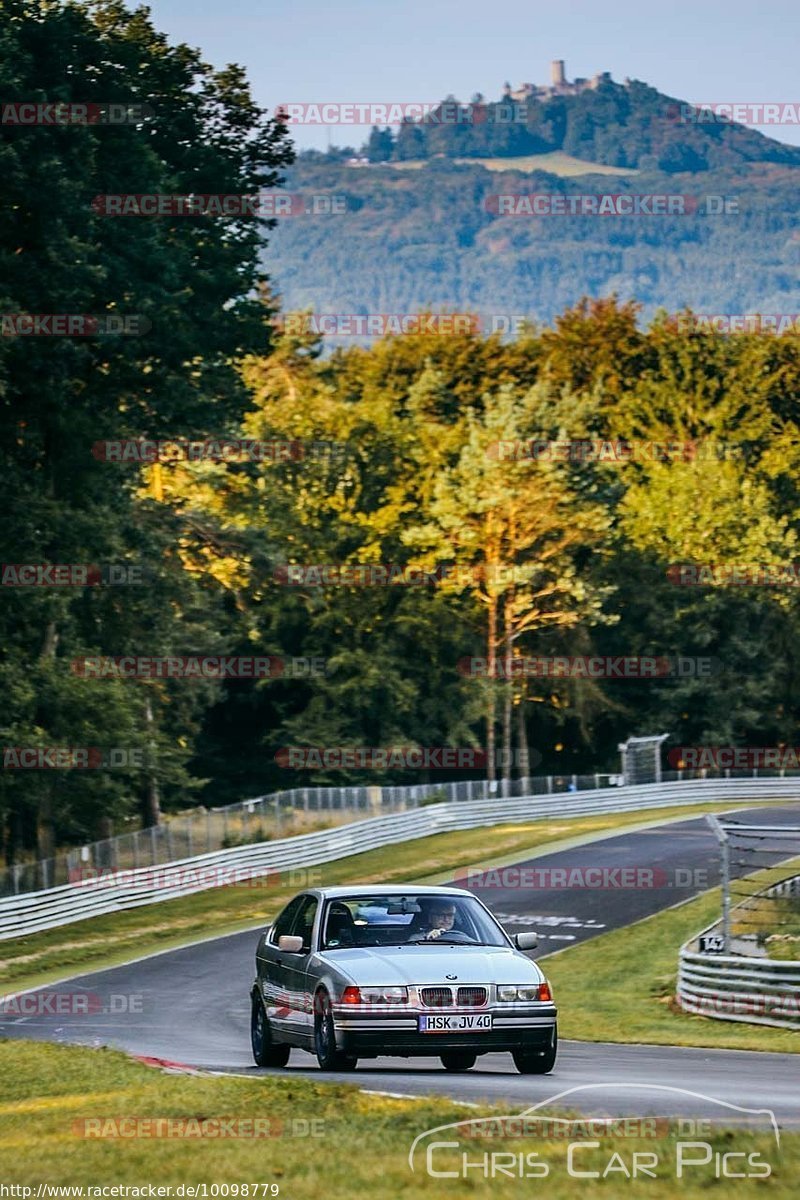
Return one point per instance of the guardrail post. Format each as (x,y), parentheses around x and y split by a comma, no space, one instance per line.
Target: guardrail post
(726,893)
(725,871)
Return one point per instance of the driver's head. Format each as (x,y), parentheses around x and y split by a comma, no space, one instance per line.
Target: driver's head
(441,914)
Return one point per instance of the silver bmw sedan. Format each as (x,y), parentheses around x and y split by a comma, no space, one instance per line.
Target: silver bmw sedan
(357,972)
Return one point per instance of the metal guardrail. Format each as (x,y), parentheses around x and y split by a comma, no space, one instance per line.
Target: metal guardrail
(731,987)
(279,814)
(301,810)
(23,915)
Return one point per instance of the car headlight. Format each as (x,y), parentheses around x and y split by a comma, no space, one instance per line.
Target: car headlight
(524,991)
(506,993)
(528,993)
(375,995)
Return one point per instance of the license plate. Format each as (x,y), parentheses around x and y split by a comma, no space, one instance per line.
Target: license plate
(454,1023)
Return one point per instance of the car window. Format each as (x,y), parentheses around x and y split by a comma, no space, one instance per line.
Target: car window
(303,922)
(385,920)
(284,923)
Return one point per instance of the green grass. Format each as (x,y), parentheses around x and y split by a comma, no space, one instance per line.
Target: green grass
(620,987)
(360,1145)
(555,162)
(107,941)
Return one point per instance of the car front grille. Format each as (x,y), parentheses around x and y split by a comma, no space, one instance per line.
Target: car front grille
(442,997)
(472,996)
(437,997)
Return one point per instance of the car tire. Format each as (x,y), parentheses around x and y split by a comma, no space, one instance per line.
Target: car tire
(458,1060)
(328,1057)
(534,1062)
(266,1052)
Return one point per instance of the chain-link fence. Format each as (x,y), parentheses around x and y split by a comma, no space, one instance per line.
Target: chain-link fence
(304,810)
(760,889)
(265,818)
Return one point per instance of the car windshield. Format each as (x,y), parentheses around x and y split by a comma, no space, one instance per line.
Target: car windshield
(419,918)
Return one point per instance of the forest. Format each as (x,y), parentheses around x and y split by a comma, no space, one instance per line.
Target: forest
(350,526)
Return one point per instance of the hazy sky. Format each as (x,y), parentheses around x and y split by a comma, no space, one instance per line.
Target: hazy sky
(421,50)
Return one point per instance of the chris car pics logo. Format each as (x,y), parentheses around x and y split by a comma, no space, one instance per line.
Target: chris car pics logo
(607,1148)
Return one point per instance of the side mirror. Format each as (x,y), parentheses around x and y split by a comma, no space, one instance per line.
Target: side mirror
(523,941)
(291,944)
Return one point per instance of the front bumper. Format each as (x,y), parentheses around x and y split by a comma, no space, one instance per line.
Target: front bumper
(372,1034)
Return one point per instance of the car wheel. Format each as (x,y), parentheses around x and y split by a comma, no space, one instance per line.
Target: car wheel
(328,1057)
(458,1060)
(266,1052)
(534,1062)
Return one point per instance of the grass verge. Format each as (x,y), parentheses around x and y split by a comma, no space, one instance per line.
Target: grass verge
(327,1139)
(110,940)
(555,162)
(620,987)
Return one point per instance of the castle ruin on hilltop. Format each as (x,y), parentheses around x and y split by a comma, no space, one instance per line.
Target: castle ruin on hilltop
(559,85)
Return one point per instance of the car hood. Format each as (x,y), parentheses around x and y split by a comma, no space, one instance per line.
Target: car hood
(389,965)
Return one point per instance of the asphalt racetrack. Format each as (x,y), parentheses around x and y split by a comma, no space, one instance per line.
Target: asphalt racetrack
(191,1006)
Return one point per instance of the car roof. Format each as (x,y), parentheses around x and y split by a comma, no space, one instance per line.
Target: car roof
(385,889)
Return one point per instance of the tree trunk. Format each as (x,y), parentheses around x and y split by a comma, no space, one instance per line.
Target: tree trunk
(45,837)
(522,737)
(45,831)
(491,657)
(507,699)
(151,814)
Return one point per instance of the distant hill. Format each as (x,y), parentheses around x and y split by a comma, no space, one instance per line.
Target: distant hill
(619,125)
(423,230)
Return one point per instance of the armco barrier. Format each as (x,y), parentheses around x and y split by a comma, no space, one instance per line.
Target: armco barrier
(36,911)
(730,987)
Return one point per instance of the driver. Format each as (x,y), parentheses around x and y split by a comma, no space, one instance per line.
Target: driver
(440,915)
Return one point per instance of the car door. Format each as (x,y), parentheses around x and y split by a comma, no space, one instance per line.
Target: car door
(270,967)
(294,968)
